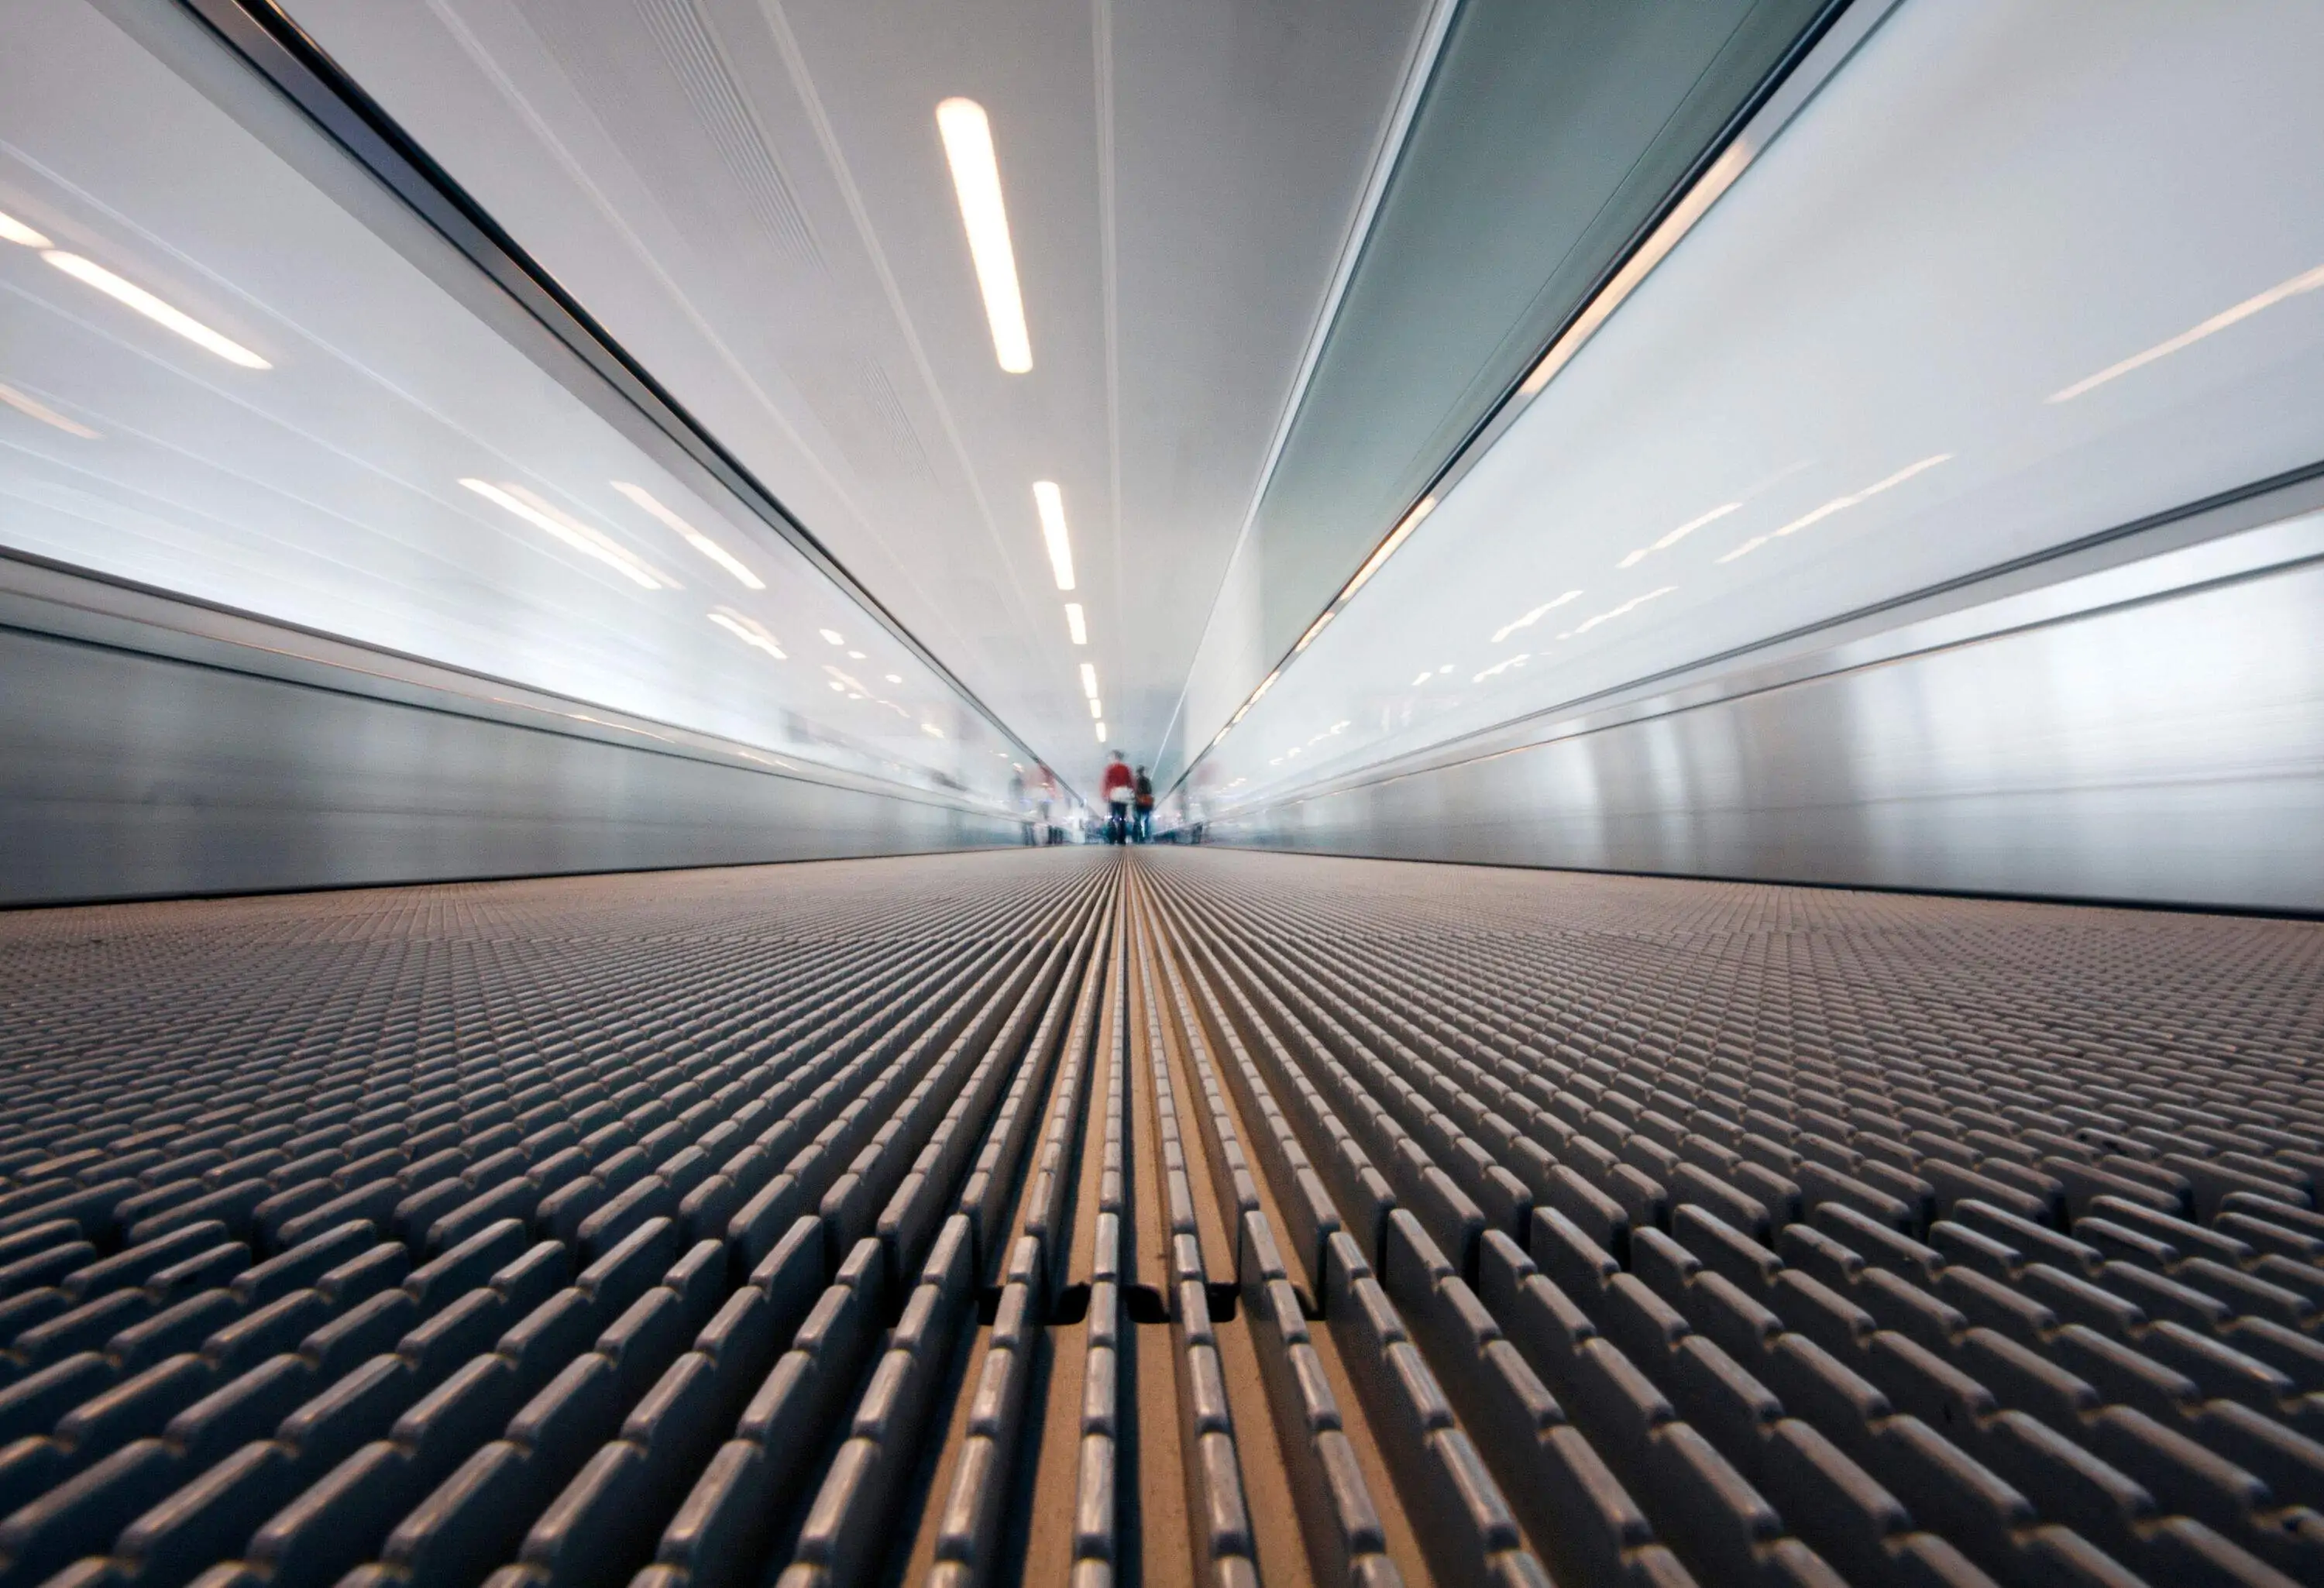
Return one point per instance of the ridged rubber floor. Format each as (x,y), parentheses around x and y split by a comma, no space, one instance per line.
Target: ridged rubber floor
(1087,1217)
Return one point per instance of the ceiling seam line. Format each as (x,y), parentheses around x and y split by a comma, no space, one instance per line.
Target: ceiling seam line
(1109,244)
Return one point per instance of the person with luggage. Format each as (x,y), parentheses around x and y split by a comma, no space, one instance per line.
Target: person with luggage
(1142,801)
(1119,788)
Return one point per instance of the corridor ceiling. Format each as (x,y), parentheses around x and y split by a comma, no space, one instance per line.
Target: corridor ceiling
(752,198)
(1275,261)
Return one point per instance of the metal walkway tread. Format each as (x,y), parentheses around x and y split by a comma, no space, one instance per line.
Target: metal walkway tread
(1069,1217)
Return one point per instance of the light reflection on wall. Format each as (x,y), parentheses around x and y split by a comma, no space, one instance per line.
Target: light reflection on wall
(1891,356)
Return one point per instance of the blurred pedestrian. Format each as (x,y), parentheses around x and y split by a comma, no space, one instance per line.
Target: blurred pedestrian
(1120,788)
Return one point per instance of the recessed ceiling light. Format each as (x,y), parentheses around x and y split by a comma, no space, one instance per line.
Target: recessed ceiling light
(32,408)
(832,635)
(858,655)
(1089,680)
(1410,521)
(967,134)
(749,631)
(895,677)
(13,230)
(1051,503)
(692,536)
(94,274)
(1095,708)
(1074,625)
(1100,733)
(572,534)
(607,546)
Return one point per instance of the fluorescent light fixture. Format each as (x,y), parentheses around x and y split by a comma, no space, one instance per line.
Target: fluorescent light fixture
(574,535)
(932,730)
(13,230)
(1420,510)
(1313,629)
(1096,709)
(2308,281)
(1051,503)
(1089,680)
(605,543)
(161,314)
(1100,733)
(1074,625)
(832,635)
(1422,679)
(749,631)
(32,408)
(690,535)
(1678,534)
(1690,208)
(895,677)
(1837,504)
(968,134)
(856,655)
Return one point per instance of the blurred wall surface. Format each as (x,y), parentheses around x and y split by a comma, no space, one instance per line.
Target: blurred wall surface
(145,760)
(2162,745)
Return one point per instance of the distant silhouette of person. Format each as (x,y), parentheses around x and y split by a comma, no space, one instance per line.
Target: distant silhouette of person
(1019,804)
(1119,786)
(1144,799)
(1046,796)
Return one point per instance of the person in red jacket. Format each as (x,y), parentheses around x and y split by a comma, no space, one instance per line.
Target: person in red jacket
(1118,786)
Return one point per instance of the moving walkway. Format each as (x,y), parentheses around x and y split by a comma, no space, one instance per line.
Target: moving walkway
(1160,1216)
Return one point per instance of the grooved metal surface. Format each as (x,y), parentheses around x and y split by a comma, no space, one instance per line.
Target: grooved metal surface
(1071,1218)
